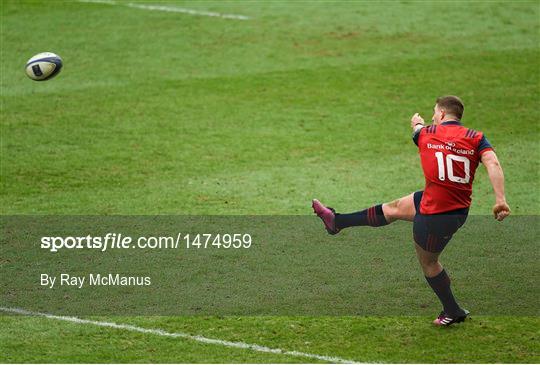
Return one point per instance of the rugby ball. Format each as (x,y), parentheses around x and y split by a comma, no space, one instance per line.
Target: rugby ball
(43,66)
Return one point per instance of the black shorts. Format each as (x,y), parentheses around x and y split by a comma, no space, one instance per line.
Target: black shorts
(433,231)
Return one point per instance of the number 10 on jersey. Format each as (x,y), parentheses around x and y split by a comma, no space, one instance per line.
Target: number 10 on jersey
(448,168)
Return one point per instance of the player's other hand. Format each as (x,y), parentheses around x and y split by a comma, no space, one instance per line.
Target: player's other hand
(416,119)
(501,211)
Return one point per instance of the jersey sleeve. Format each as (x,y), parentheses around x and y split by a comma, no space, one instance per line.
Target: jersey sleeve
(484,146)
(416,135)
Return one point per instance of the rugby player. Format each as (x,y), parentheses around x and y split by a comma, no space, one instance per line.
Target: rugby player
(449,154)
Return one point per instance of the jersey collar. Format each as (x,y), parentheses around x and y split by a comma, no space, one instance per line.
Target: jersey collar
(451,122)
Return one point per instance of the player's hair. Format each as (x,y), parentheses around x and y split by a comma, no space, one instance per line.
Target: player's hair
(451,105)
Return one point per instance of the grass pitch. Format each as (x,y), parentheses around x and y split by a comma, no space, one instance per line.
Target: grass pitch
(169,113)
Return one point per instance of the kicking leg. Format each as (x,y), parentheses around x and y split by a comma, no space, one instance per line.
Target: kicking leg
(400,209)
(375,216)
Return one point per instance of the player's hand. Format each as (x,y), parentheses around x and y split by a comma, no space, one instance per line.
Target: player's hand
(416,119)
(501,211)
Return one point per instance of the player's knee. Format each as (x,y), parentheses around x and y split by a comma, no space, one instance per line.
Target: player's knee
(391,209)
(430,267)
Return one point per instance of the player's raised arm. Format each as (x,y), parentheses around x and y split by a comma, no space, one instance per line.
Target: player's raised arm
(501,209)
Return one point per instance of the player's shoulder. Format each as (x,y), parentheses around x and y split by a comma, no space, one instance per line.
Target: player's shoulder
(430,129)
(473,134)
(475,138)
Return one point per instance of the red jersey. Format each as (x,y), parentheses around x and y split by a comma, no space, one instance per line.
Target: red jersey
(450,154)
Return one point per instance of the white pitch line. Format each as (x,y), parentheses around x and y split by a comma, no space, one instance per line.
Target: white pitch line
(170,9)
(159,332)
